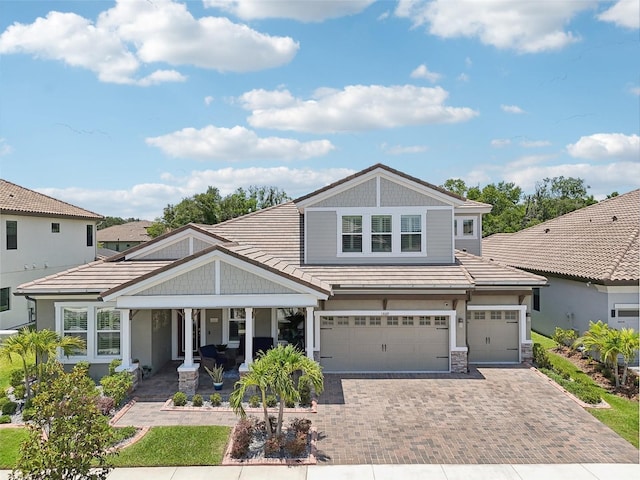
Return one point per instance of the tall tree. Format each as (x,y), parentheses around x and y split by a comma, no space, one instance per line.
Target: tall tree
(554,197)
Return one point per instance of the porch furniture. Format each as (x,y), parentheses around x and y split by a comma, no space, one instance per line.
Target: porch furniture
(210,357)
(259,344)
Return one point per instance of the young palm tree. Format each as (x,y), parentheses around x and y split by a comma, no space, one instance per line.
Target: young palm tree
(46,344)
(610,349)
(629,346)
(275,371)
(593,339)
(22,346)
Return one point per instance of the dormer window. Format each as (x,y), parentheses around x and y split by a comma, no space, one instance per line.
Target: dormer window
(465,227)
(410,233)
(381,240)
(352,234)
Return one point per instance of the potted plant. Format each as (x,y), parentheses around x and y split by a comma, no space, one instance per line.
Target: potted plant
(217,375)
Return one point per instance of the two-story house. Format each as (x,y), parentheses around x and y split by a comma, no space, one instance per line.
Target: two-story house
(384,268)
(39,236)
(121,237)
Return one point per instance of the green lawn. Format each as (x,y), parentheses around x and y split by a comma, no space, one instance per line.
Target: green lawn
(10,440)
(176,446)
(623,416)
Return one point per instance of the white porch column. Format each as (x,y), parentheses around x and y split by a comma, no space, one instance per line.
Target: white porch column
(248,335)
(125,338)
(188,337)
(308,332)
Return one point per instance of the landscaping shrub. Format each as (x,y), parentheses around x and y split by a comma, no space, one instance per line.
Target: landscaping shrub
(290,404)
(272,401)
(9,407)
(242,438)
(273,446)
(105,404)
(302,425)
(5,419)
(587,393)
(28,413)
(197,401)
(564,337)
(16,378)
(304,389)
(3,393)
(19,391)
(297,446)
(115,363)
(117,386)
(540,356)
(215,399)
(179,399)
(254,401)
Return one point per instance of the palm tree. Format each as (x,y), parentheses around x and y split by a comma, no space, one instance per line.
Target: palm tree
(610,349)
(629,345)
(22,346)
(46,344)
(593,339)
(275,371)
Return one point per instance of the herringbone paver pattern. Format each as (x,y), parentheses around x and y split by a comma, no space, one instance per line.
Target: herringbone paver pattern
(493,415)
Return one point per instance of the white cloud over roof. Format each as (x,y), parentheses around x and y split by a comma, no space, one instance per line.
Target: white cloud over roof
(128,37)
(526,27)
(601,146)
(304,11)
(354,108)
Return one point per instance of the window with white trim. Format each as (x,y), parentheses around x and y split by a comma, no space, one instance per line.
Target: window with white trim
(97,324)
(383,232)
(465,227)
(237,323)
(352,234)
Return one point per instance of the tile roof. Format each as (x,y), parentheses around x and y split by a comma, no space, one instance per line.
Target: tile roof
(18,200)
(127,232)
(597,243)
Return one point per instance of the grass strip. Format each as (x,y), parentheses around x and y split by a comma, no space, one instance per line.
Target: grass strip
(10,440)
(176,446)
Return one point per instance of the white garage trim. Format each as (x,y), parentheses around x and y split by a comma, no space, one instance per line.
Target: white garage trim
(522,324)
(451,314)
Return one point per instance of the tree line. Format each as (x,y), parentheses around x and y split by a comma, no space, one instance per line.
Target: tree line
(513,210)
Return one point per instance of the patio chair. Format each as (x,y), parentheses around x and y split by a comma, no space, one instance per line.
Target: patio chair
(210,357)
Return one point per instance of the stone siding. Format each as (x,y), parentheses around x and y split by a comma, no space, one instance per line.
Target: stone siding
(459,363)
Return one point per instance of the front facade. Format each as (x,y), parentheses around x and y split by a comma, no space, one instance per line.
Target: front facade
(381,268)
(591,260)
(39,236)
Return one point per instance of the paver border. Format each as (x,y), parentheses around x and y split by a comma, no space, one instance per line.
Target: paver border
(602,405)
(169,407)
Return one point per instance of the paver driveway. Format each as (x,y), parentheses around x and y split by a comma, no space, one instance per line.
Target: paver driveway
(492,415)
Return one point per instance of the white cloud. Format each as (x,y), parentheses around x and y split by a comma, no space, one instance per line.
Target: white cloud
(235,144)
(423,72)
(468,62)
(625,13)
(526,27)
(500,142)
(463,77)
(403,149)
(535,143)
(355,108)
(606,146)
(635,90)
(512,109)
(132,36)
(304,11)
(208,100)
(5,148)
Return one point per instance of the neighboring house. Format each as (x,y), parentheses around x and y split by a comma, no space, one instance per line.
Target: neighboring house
(590,257)
(122,237)
(374,263)
(39,236)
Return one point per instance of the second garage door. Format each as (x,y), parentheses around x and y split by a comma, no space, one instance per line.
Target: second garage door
(493,336)
(384,343)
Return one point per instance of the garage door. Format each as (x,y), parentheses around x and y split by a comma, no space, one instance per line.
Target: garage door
(384,343)
(493,336)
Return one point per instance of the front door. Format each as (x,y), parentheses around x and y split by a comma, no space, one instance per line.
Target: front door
(195,341)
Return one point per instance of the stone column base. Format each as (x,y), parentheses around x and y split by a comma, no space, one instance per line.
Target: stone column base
(459,362)
(526,352)
(188,378)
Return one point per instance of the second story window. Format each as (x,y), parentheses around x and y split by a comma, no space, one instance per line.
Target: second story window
(89,235)
(465,227)
(352,233)
(381,233)
(410,233)
(55,228)
(12,235)
(5,299)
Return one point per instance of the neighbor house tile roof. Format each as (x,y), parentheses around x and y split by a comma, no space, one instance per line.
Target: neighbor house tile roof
(597,243)
(127,232)
(18,200)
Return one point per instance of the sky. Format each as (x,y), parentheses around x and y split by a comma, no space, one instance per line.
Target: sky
(123,107)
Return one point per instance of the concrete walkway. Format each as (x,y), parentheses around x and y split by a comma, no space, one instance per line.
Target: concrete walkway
(589,471)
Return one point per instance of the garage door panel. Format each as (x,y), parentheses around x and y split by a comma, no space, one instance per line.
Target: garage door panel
(494,338)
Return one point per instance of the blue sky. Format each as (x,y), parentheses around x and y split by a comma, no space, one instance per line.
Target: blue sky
(123,107)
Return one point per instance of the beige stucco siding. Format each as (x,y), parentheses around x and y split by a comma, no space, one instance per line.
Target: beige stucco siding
(395,195)
(160,338)
(46,315)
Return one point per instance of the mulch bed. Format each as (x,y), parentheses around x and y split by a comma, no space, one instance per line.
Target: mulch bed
(594,370)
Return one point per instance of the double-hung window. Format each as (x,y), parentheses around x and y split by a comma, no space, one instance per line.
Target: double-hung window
(352,234)
(381,231)
(410,233)
(97,324)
